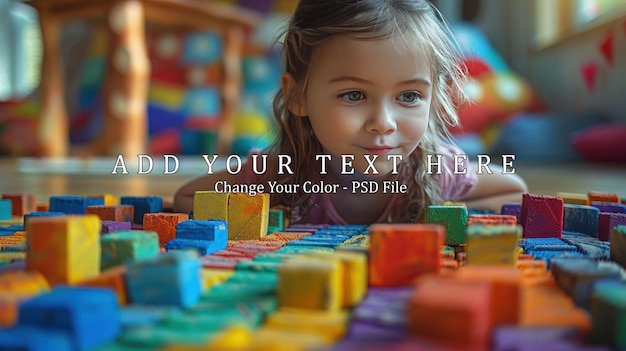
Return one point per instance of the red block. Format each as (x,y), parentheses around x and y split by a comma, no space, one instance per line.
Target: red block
(542,216)
(117,213)
(400,253)
(21,203)
(608,221)
(486,219)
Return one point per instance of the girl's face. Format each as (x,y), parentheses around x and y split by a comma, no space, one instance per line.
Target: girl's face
(368,98)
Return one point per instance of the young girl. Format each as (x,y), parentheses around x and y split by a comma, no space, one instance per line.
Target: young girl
(368,93)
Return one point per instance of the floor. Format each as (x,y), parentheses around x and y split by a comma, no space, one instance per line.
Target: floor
(87,177)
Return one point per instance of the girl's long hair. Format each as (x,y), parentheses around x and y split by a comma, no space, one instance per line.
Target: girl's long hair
(422,28)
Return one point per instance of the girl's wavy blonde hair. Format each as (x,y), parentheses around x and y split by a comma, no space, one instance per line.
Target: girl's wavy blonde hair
(422,28)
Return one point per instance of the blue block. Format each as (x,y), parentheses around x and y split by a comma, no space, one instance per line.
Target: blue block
(211,230)
(11,229)
(202,102)
(73,204)
(202,48)
(6,209)
(23,338)
(171,279)
(89,317)
(204,247)
(577,276)
(581,219)
(41,214)
(143,205)
(312,243)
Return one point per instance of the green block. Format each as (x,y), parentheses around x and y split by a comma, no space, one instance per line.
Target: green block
(608,315)
(453,218)
(119,248)
(248,277)
(263,304)
(235,291)
(618,245)
(276,221)
(214,320)
(160,336)
(273,257)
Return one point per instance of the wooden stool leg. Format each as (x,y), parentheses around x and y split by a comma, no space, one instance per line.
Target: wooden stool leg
(52,126)
(125,93)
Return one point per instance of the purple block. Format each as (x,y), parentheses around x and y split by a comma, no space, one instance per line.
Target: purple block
(366,331)
(607,221)
(114,226)
(511,337)
(512,209)
(380,315)
(542,216)
(612,207)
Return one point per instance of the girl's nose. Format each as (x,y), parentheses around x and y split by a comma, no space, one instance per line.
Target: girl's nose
(381,121)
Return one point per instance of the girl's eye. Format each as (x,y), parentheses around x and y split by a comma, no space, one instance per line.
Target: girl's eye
(410,97)
(352,96)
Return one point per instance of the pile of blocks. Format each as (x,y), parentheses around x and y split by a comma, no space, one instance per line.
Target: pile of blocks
(100,273)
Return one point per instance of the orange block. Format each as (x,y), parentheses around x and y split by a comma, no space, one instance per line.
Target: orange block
(451,312)
(8,309)
(486,219)
(164,224)
(44,207)
(600,196)
(16,286)
(506,283)
(22,203)
(118,213)
(16,238)
(400,253)
(114,279)
(285,236)
(531,264)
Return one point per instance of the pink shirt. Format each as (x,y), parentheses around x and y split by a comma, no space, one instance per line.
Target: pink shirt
(322,211)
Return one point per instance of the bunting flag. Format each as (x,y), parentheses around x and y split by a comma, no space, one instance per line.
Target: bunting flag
(606,47)
(589,72)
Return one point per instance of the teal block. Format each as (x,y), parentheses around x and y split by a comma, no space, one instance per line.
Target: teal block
(608,316)
(6,209)
(119,248)
(453,218)
(276,221)
(580,219)
(157,336)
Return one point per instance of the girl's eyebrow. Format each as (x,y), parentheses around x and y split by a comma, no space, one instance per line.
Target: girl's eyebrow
(420,81)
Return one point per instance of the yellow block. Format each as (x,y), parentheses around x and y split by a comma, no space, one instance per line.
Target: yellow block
(493,244)
(209,276)
(248,216)
(354,267)
(453,203)
(272,339)
(310,283)
(23,283)
(331,325)
(232,339)
(12,221)
(167,95)
(574,198)
(109,199)
(210,205)
(10,256)
(66,250)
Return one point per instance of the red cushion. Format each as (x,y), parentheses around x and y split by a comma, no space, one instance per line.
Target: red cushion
(604,143)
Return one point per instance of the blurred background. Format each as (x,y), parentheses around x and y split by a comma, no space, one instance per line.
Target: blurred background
(548,79)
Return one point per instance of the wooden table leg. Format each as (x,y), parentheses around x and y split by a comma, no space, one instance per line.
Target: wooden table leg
(127,78)
(52,126)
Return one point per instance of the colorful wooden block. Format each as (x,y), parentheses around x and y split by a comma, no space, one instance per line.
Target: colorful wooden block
(211,277)
(21,203)
(23,284)
(487,219)
(601,196)
(493,244)
(122,248)
(118,213)
(171,278)
(453,218)
(6,209)
(71,204)
(608,221)
(574,198)
(113,279)
(89,317)
(203,247)
(618,245)
(66,250)
(113,226)
(310,284)
(452,312)
(143,205)
(611,207)
(542,216)
(248,216)
(581,219)
(210,205)
(275,221)
(209,230)
(608,312)
(41,214)
(400,253)
(164,224)
(331,325)
(512,209)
